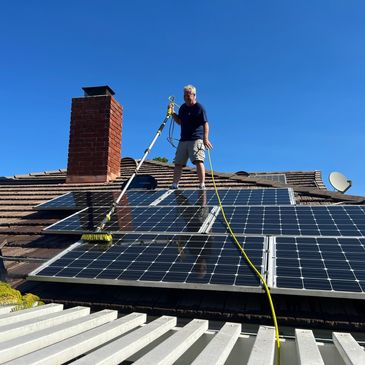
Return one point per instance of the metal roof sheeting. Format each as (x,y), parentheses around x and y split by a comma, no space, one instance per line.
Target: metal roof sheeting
(53,335)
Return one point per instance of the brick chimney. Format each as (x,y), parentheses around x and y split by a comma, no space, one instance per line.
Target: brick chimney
(94,150)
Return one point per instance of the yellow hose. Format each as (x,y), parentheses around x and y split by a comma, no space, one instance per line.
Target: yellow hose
(249,262)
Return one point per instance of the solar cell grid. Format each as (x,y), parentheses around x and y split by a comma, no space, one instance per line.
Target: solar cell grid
(318,263)
(163,259)
(294,220)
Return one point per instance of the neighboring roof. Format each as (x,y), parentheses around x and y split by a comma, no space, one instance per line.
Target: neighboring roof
(312,179)
(21,226)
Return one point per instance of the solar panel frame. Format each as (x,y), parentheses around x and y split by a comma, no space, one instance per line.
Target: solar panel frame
(311,269)
(228,259)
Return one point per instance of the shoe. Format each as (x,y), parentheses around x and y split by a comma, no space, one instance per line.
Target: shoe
(202,187)
(174,186)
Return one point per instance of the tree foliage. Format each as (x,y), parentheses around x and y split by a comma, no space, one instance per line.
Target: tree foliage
(161,159)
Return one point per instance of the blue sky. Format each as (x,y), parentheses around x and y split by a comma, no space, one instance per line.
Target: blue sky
(283,82)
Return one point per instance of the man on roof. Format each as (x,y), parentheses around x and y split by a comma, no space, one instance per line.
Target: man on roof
(194,137)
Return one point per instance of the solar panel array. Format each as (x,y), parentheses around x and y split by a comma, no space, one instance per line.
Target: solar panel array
(289,221)
(178,238)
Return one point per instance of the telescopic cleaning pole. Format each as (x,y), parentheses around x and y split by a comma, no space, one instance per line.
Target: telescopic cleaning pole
(98,235)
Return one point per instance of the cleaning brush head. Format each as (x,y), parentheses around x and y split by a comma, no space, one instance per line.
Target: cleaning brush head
(97,237)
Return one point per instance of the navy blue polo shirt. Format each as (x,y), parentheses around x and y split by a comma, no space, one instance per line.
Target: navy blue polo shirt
(192,119)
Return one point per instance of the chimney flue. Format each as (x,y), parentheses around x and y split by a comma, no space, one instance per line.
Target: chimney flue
(95,137)
(98,91)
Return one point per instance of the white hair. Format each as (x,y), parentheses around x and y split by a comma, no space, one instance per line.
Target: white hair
(190,88)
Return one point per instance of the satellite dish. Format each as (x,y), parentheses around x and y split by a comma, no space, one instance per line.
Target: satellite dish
(339,181)
(241,173)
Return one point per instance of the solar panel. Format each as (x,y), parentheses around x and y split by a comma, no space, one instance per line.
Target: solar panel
(231,197)
(178,261)
(135,219)
(317,264)
(294,220)
(77,200)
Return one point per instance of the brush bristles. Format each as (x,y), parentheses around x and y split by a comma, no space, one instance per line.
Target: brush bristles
(101,237)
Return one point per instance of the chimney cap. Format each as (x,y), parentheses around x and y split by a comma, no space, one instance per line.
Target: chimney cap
(98,90)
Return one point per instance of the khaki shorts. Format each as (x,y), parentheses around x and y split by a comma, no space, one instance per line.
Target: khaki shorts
(195,150)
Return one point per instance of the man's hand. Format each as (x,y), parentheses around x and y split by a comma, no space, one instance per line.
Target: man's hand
(207,143)
(170,109)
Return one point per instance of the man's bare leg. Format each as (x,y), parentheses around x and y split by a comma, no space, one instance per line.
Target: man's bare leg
(200,170)
(177,174)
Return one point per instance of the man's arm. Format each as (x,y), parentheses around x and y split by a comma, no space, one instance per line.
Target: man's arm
(206,141)
(176,118)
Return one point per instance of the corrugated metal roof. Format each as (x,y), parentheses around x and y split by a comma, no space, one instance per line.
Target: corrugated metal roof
(50,334)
